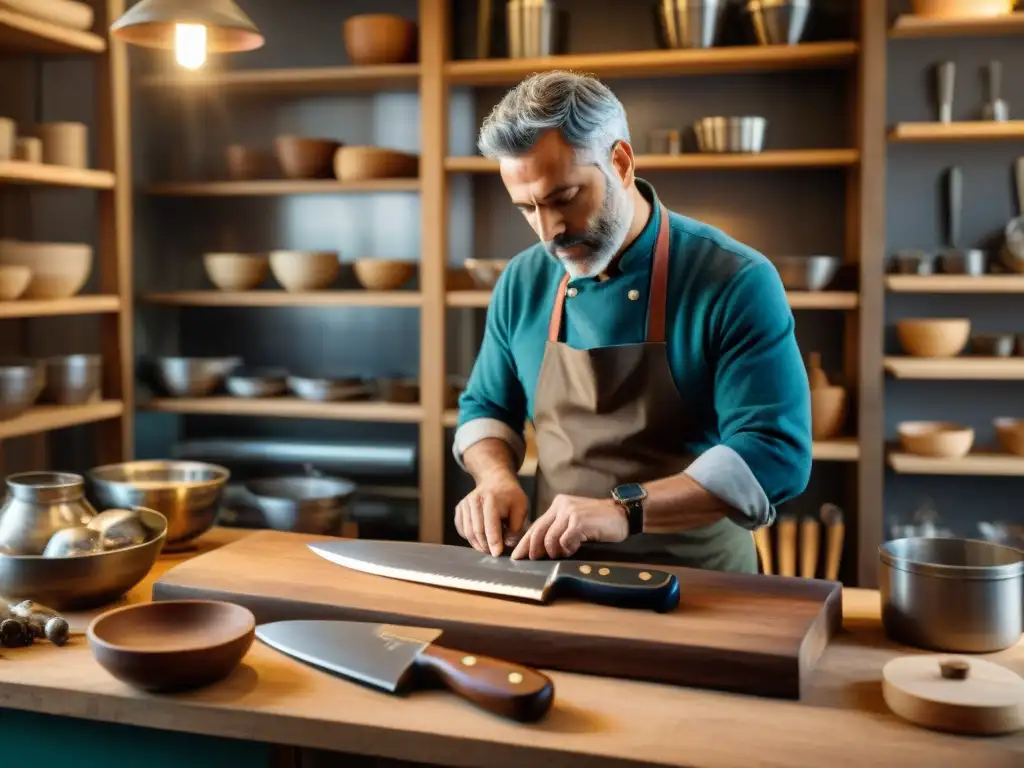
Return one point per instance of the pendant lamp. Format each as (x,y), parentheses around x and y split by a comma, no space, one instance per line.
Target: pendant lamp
(191,28)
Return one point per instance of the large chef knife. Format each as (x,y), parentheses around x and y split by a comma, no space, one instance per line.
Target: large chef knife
(466,569)
(396,659)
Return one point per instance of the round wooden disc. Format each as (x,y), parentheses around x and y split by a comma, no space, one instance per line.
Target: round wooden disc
(972,696)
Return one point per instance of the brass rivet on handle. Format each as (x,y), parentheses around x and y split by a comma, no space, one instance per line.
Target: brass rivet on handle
(515,678)
(645,576)
(584,569)
(604,571)
(469,661)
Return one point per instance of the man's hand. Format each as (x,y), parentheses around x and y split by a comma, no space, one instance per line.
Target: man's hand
(479,516)
(569,522)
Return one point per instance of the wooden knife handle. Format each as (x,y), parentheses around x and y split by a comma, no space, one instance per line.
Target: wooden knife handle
(809,542)
(506,689)
(618,585)
(786,541)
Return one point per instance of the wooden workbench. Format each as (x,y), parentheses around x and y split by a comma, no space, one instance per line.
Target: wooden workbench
(596,721)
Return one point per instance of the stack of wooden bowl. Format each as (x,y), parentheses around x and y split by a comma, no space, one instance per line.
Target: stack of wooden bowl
(55,270)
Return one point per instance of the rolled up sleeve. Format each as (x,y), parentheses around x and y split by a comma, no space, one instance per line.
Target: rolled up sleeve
(493,404)
(762,401)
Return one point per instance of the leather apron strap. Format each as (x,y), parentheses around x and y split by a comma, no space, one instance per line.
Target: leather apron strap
(656,300)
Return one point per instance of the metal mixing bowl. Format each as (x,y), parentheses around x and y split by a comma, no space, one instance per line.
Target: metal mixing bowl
(730,134)
(304,504)
(806,273)
(73,379)
(21,381)
(778,22)
(85,581)
(193,376)
(187,493)
(689,23)
(257,382)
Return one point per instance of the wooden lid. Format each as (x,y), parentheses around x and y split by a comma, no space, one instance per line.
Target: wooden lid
(955,694)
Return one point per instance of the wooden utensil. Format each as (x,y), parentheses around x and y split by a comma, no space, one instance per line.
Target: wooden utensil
(763,542)
(809,538)
(828,402)
(955,694)
(786,542)
(832,518)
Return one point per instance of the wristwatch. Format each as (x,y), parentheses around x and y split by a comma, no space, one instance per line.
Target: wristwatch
(630,496)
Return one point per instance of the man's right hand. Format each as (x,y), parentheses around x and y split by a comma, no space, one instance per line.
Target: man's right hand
(479,517)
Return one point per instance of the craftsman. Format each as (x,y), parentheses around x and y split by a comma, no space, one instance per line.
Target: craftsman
(654,354)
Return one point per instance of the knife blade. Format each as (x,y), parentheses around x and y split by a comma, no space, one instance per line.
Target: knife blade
(396,659)
(466,569)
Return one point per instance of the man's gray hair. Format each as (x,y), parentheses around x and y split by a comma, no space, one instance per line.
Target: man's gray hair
(582,108)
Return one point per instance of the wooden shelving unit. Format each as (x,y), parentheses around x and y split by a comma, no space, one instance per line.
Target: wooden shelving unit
(22,36)
(309,81)
(958,131)
(769,160)
(955,283)
(957,368)
(285,299)
(286,408)
(840,300)
(975,463)
(274,187)
(909,25)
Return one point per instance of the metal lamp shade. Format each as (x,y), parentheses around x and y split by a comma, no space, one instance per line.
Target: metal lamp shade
(151,23)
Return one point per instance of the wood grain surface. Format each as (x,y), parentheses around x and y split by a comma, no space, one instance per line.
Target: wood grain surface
(736,632)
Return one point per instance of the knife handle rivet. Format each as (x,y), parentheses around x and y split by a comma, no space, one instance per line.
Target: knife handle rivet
(604,571)
(584,569)
(515,678)
(645,576)
(469,661)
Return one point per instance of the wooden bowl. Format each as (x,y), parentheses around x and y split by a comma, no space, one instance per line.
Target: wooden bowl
(236,271)
(934,337)
(383,274)
(937,439)
(14,279)
(1010,433)
(485,272)
(379,38)
(304,270)
(59,270)
(828,412)
(304,158)
(365,163)
(172,645)
(247,163)
(961,9)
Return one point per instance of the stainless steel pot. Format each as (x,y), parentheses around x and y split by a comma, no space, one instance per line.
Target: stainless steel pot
(21,382)
(38,505)
(953,595)
(312,503)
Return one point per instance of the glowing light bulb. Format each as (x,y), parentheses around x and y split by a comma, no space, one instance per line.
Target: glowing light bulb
(190,45)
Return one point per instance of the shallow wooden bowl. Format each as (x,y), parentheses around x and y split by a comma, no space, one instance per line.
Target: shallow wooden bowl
(14,279)
(304,270)
(366,163)
(383,274)
(172,645)
(937,439)
(305,158)
(934,337)
(828,412)
(236,271)
(1010,433)
(247,163)
(379,38)
(59,270)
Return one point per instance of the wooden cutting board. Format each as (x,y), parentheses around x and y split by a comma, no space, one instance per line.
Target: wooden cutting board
(743,633)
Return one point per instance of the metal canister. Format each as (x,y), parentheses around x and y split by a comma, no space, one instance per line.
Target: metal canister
(38,505)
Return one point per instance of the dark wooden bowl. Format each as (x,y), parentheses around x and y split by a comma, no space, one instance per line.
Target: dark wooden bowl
(174,645)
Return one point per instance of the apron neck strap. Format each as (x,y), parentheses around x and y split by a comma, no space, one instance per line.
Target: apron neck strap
(659,289)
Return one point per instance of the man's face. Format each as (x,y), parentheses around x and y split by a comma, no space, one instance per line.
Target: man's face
(580,212)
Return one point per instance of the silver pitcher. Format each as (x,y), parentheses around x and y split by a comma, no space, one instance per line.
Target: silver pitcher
(37,505)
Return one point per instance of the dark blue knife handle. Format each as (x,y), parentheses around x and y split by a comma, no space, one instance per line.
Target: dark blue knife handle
(620,586)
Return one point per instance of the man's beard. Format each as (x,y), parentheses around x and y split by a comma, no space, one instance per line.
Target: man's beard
(603,239)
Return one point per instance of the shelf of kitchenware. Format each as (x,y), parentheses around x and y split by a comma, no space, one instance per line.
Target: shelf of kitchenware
(840,300)
(767,160)
(272,187)
(271,298)
(76,305)
(22,172)
(967,368)
(909,25)
(980,463)
(964,130)
(27,35)
(955,283)
(286,408)
(47,418)
(292,82)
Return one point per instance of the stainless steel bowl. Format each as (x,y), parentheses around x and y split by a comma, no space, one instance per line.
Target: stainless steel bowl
(730,134)
(778,22)
(689,23)
(73,379)
(85,581)
(806,273)
(187,493)
(326,389)
(193,376)
(304,504)
(21,382)
(953,595)
(257,382)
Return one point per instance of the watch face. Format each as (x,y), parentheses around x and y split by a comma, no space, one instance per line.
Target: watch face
(630,492)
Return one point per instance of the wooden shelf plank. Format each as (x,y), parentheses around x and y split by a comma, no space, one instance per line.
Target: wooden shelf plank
(909,25)
(667,63)
(957,368)
(975,463)
(287,408)
(23,34)
(20,172)
(981,130)
(280,298)
(46,418)
(771,159)
(271,187)
(76,305)
(295,81)
(797,299)
(955,283)
(837,449)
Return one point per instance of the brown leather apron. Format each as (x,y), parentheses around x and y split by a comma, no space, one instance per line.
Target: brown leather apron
(614,415)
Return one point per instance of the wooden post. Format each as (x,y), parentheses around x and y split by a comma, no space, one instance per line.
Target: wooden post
(434,43)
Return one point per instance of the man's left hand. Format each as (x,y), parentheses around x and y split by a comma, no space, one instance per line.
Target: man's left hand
(569,522)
